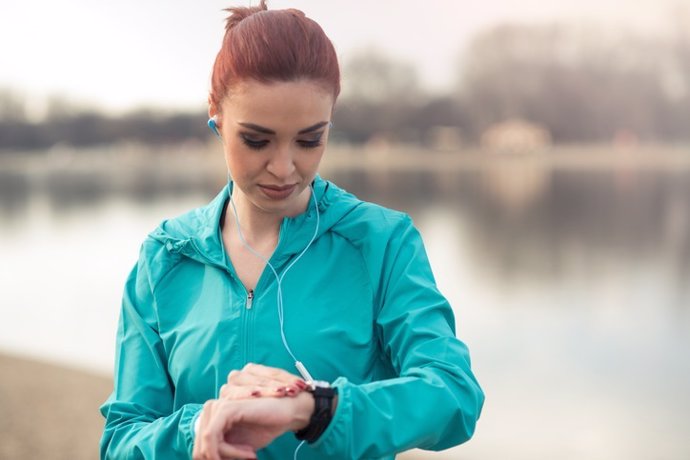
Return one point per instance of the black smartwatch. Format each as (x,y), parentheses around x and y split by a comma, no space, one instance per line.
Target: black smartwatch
(324,394)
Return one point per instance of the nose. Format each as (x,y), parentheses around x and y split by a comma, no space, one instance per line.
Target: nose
(282,164)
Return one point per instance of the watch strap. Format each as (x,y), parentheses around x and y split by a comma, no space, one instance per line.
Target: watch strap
(322,415)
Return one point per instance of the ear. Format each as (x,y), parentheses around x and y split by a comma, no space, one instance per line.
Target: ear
(212,111)
(213,121)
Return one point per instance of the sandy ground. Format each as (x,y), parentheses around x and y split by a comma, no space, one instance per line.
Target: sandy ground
(49,412)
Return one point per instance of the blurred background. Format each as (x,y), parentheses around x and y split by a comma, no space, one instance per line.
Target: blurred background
(542,148)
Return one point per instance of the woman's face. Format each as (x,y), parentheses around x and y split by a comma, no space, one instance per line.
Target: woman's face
(274,136)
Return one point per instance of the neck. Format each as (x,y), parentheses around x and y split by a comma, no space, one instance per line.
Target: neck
(257,225)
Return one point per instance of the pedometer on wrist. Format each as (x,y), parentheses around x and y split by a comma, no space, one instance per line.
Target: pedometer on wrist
(323,394)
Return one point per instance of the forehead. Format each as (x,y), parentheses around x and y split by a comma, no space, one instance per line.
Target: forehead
(272,102)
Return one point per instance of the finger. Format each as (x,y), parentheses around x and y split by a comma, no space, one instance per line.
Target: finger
(256,380)
(245,384)
(250,378)
(265,376)
(250,392)
(233,375)
(270,373)
(232,391)
(240,392)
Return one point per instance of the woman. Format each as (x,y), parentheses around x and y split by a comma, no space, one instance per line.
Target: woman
(286,270)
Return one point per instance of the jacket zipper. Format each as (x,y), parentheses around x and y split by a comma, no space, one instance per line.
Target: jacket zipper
(247,326)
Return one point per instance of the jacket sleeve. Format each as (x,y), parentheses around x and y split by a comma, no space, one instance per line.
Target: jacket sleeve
(140,421)
(435,400)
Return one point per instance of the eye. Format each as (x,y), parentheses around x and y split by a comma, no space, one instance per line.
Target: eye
(256,144)
(310,143)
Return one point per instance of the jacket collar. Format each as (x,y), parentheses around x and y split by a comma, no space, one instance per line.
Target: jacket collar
(197,234)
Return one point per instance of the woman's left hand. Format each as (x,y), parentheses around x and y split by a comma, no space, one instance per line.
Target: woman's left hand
(236,429)
(255,380)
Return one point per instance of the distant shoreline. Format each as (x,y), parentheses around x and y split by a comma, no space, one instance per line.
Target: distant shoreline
(396,174)
(139,168)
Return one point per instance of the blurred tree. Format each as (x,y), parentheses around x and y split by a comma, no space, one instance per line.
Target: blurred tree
(440,111)
(69,124)
(12,106)
(379,98)
(12,118)
(372,76)
(678,83)
(583,85)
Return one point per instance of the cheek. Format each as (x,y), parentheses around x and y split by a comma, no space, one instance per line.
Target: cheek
(230,161)
(307,166)
(319,157)
(313,159)
(239,159)
(236,165)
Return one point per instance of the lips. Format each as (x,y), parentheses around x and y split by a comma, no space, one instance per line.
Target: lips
(278,192)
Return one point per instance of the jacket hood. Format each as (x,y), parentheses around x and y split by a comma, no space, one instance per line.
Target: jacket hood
(197,234)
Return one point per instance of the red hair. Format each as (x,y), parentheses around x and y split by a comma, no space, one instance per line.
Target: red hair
(269,46)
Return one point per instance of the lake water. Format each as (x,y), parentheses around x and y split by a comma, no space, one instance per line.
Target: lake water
(571,288)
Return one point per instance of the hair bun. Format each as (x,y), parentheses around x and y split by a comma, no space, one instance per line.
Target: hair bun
(239,13)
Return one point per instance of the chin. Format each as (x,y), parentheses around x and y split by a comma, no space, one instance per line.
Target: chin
(293,204)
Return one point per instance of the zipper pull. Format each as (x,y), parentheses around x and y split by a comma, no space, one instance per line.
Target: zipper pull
(250,298)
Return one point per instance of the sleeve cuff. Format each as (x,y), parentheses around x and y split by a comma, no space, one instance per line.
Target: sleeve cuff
(189,424)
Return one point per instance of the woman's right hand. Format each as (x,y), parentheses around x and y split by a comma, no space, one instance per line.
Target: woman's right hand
(256,380)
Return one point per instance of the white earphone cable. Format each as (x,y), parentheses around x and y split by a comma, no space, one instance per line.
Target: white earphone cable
(279,279)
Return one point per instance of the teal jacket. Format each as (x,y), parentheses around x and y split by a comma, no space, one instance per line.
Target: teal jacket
(361,310)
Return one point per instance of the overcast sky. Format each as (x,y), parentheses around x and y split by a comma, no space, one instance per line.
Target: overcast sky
(128,53)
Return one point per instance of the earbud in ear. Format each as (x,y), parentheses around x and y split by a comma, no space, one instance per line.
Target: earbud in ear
(212,123)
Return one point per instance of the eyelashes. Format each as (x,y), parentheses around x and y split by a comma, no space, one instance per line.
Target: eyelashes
(258,144)
(310,144)
(254,144)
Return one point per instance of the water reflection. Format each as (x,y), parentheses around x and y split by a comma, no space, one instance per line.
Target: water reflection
(535,224)
(570,285)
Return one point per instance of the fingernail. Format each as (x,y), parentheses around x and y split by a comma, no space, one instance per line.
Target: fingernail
(256,393)
(301,384)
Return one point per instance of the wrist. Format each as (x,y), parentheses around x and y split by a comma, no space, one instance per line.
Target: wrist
(304,408)
(325,400)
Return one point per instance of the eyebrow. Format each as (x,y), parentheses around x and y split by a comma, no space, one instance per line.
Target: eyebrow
(261,129)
